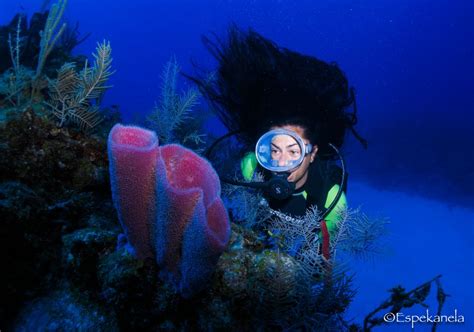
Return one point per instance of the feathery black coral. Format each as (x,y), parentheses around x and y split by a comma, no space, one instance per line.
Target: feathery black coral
(75,96)
(174,110)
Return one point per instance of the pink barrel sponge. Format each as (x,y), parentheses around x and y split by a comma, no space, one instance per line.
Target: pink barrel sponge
(133,153)
(168,202)
(194,225)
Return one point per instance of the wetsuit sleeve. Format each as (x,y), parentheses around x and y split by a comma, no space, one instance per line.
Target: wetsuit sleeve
(248,164)
(331,218)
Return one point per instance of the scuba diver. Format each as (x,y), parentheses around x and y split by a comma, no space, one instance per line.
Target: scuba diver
(289,111)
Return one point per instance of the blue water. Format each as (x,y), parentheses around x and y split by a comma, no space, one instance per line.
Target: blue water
(412,63)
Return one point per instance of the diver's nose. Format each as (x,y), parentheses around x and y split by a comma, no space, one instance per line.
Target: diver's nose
(282,162)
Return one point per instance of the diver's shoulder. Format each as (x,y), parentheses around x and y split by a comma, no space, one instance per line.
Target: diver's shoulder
(325,174)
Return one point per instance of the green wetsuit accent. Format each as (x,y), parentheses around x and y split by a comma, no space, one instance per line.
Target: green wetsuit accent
(248,165)
(305,194)
(331,218)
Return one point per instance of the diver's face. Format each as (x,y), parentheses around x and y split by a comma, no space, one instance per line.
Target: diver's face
(285,149)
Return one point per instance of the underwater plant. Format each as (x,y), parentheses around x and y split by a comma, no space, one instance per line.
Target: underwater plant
(15,80)
(73,94)
(299,239)
(358,235)
(173,111)
(49,37)
(246,206)
(279,288)
(20,78)
(355,235)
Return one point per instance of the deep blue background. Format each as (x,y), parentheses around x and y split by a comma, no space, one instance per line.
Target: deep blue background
(412,63)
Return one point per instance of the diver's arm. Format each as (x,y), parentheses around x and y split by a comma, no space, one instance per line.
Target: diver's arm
(332,217)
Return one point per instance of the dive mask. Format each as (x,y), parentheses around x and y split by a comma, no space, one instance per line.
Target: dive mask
(281,150)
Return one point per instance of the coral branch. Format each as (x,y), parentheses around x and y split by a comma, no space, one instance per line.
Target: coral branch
(73,94)
(15,51)
(172,112)
(49,36)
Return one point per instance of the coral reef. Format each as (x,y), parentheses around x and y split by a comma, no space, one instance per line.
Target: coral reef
(79,254)
(60,237)
(33,146)
(64,311)
(74,97)
(53,182)
(54,194)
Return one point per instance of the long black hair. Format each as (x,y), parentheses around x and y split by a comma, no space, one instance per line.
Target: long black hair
(259,85)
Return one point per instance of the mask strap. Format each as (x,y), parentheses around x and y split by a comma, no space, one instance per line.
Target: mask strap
(353,120)
(209,150)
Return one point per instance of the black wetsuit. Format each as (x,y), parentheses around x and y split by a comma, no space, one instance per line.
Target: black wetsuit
(322,177)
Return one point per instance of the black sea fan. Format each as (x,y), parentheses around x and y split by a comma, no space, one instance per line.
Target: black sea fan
(174,118)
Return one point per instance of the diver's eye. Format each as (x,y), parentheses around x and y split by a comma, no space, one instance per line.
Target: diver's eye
(275,151)
(294,153)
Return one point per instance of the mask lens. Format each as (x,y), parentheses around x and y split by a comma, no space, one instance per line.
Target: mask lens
(280,150)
